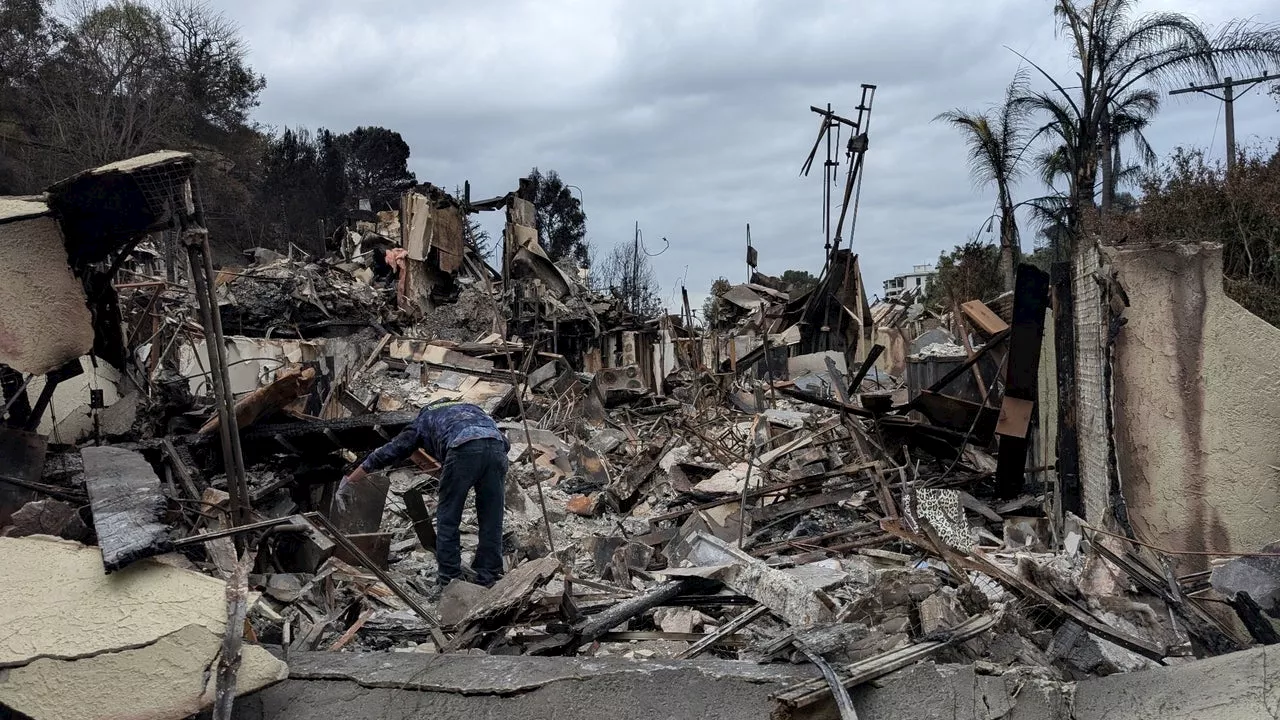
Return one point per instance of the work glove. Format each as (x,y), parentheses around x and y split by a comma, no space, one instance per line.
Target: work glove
(346,492)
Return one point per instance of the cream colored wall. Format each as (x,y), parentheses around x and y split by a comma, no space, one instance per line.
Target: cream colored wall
(44,321)
(1197,400)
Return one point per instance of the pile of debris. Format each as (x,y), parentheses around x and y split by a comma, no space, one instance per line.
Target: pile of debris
(773,493)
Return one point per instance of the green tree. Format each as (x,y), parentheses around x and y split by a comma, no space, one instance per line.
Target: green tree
(377,165)
(26,34)
(331,160)
(798,282)
(713,314)
(562,224)
(473,233)
(1118,54)
(996,139)
(969,272)
(292,193)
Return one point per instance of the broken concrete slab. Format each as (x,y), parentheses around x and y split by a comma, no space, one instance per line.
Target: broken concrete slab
(815,364)
(128,506)
(175,685)
(821,575)
(48,517)
(725,482)
(1257,576)
(510,594)
(678,620)
(74,636)
(375,685)
(790,598)
(1237,686)
(458,598)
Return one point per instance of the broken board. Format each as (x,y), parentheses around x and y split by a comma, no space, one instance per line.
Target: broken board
(128,507)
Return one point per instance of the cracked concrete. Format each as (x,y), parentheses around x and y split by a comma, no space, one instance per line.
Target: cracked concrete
(1239,686)
(76,643)
(168,678)
(394,686)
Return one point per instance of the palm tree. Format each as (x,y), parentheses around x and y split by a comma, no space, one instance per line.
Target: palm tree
(1129,118)
(997,139)
(1118,55)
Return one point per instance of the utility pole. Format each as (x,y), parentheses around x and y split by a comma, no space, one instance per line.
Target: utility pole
(635,273)
(1228,87)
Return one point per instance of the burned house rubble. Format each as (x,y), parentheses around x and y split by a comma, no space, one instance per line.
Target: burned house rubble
(827,508)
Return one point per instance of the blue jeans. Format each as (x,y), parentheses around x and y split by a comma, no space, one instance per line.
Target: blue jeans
(481,464)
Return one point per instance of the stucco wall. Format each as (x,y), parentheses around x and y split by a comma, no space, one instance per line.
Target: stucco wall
(38,293)
(1197,397)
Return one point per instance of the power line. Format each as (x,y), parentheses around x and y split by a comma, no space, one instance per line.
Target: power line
(1228,87)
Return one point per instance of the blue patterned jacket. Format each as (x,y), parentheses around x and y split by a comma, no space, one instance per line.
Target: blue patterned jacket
(437,428)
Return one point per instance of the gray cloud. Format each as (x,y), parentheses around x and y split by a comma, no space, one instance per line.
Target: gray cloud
(691,118)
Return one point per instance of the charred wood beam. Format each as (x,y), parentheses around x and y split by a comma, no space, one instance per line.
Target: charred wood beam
(1068,440)
(596,626)
(872,355)
(1030,298)
(1253,620)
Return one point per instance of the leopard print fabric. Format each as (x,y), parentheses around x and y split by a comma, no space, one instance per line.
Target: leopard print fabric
(944,513)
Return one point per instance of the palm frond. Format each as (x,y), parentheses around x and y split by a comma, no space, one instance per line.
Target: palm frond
(985,156)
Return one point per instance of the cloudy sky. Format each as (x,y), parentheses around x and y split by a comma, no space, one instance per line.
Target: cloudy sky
(693,117)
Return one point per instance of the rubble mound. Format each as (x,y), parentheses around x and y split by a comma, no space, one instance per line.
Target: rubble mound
(461,321)
(283,293)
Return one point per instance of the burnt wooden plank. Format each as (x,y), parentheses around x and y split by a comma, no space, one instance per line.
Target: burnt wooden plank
(1068,441)
(788,507)
(127,504)
(1030,299)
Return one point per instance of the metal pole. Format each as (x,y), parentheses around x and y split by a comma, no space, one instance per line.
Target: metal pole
(224,427)
(1229,97)
(203,277)
(635,273)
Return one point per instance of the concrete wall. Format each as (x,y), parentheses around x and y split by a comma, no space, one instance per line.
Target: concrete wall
(1197,397)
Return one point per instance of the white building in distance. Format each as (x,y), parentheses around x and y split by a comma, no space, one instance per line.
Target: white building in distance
(919,278)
